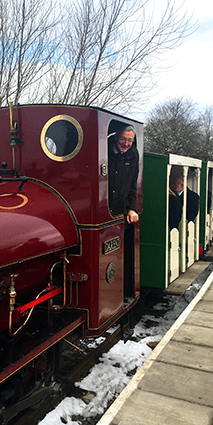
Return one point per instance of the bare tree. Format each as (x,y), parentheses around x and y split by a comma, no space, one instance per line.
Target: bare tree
(109,49)
(206,119)
(174,127)
(89,52)
(27,44)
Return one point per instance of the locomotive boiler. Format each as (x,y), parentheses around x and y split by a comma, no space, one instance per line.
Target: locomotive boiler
(61,251)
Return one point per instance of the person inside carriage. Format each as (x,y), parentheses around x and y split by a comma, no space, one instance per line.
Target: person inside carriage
(176,203)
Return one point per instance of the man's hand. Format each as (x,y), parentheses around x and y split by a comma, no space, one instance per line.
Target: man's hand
(132,217)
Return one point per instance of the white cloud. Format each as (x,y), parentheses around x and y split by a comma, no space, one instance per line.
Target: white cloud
(201,9)
(189,71)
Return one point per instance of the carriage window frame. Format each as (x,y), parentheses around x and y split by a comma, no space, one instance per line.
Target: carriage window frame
(78,147)
(113,126)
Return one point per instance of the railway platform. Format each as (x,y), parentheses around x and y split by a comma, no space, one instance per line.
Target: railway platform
(175,384)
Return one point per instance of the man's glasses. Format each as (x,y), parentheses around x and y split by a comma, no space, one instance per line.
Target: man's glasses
(124,139)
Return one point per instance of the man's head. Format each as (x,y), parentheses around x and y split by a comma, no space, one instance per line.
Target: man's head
(179,184)
(125,138)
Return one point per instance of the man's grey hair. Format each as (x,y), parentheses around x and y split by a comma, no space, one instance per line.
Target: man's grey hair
(125,128)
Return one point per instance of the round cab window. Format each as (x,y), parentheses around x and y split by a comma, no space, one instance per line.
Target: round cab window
(62,138)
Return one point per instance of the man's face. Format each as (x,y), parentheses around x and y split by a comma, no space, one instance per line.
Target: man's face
(125,141)
(179,186)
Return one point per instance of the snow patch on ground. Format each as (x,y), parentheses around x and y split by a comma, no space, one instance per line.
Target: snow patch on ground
(115,368)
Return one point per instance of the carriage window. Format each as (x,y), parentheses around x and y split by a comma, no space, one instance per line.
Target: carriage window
(62,138)
(114,127)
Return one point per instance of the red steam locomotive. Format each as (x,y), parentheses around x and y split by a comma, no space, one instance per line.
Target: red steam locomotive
(61,251)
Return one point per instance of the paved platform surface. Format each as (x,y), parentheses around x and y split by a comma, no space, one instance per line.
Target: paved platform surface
(175,384)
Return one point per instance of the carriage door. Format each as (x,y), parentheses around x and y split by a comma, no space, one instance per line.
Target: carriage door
(192,215)
(209,214)
(208,208)
(190,227)
(175,216)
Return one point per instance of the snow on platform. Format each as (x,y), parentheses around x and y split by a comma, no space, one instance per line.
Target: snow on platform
(175,384)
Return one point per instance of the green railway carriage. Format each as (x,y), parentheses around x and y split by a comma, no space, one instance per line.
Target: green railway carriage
(165,253)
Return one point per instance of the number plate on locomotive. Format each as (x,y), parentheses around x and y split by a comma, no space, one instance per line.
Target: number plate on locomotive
(112,245)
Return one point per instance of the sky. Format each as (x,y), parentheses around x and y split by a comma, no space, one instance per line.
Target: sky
(111,374)
(189,72)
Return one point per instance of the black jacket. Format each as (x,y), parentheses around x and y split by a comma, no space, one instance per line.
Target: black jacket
(123,174)
(175,207)
(192,206)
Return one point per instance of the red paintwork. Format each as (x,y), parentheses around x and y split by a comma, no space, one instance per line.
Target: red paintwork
(44,224)
(101,299)
(69,205)
(200,250)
